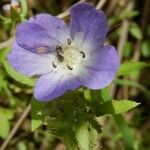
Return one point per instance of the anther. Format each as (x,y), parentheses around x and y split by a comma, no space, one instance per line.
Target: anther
(68,41)
(54,65)
(59,49)
(60,57)
(83,54)
(69,67)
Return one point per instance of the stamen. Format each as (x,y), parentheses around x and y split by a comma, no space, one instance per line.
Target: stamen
(83,54)
(59,49)
(69,67)
(59,52)
(60,57)
(54,65)
(68,41)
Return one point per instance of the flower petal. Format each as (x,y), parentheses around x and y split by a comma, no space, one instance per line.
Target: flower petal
(33,37)
(55,27)
(102,69)
(89,21)
(29,63)
(53,85)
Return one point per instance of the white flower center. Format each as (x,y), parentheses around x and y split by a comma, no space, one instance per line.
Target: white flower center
(68,56)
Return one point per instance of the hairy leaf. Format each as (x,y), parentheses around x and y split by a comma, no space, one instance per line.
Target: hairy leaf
(116,107)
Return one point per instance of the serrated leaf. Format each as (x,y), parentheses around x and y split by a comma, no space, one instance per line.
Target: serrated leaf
(116,107)
(17,76)
(135,31)
(36,114)
(82,136)
(4,126)
(128,67)
(93,140)
(35,124)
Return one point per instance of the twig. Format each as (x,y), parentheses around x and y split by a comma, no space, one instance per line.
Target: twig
(100,4)
(16,127)
(111,7)
(66,12)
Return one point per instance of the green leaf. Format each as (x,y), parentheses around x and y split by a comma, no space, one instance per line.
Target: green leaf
(123,126)
(22,145)
(126,132)
(9,114)
(93,137)
(82,136)
(4,19)
(17,76)
(116,107)
(37,114)
(128,67)
(145,48)
(96,95)
(4,87)
(135,31)
(123,15)
(35,124)
(128,49)
(4,126)
(3,54)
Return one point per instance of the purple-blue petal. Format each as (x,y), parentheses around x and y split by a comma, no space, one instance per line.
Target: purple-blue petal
(89,21)
(42,33)
(54,27)
(32,36)
(29,63)
(101,71)
(53,85)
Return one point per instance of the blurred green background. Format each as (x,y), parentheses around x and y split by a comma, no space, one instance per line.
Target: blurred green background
(129,23)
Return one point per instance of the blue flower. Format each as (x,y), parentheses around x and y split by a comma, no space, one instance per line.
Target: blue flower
(65,58)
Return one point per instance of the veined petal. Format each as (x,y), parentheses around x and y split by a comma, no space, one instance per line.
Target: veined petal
(29,63)
(55,27)
(53,85)
(100,71)
(34,38)
(89,21)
